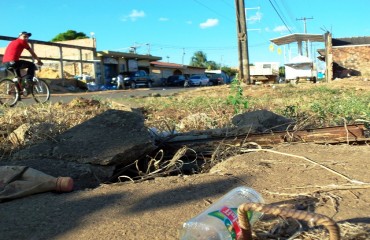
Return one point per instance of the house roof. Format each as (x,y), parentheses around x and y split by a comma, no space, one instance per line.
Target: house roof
(107,53)
(298,37)
(172,65)
(350,41)
(167,64)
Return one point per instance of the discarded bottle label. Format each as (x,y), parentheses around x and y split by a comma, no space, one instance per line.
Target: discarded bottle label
(229,217)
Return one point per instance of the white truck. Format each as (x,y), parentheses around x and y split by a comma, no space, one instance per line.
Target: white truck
(264,72)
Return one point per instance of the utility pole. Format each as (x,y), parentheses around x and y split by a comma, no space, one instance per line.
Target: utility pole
(305,29)
(242,41)
(183,55)
(328,57)
(148,45)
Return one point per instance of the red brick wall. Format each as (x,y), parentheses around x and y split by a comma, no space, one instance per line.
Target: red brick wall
(353,57)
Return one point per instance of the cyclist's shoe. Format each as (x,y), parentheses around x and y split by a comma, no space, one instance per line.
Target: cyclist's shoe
(28,85)
(25,92)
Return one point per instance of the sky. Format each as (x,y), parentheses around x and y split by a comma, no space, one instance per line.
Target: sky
(176,29)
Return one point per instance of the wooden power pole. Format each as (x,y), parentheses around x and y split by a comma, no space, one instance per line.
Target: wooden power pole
(242,41)
(328,57)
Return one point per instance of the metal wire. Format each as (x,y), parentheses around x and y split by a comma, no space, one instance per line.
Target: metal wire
(314,218)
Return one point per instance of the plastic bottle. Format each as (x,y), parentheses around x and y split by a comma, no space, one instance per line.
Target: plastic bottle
(220,220)
(21,181)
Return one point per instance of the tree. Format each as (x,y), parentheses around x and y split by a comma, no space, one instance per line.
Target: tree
(229,71)
(199,59)
(212,65)
(69,35)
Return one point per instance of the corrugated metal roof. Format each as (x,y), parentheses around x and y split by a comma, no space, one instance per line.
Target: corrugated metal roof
(298,37)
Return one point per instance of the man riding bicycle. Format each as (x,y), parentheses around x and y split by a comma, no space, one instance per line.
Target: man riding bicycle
(14,51)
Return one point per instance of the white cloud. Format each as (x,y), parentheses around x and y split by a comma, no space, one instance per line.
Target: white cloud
(163,19)
(280,29)
(134,15)
(211,22)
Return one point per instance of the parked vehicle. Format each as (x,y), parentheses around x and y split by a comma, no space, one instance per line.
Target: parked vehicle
(136,79)
(264,72)
(217,77)
(198,80)
(176,80)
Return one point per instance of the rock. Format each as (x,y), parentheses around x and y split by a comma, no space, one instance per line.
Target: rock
(261,121)
(113,137)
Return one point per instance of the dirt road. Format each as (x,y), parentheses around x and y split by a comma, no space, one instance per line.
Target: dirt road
(156,209)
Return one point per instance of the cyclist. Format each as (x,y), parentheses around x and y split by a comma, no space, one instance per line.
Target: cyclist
(14,51)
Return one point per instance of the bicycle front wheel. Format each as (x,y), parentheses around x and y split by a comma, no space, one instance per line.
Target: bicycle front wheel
(40,91)
(9,92)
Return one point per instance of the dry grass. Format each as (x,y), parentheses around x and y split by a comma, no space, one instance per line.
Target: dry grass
(338,103)
(59,117)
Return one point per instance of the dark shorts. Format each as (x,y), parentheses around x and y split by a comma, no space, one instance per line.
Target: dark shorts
(22,64)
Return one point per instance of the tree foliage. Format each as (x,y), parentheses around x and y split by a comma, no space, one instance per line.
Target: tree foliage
(230,71)
(199,59)
(69,35)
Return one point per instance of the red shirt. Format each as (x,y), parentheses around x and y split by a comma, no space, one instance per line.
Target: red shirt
(14,50)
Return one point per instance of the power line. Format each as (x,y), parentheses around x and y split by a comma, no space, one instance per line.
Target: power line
(214,11)
(280,17)
(291,17)
(192,47)
(231,6)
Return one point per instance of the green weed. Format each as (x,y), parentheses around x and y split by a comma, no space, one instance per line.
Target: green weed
(236,98)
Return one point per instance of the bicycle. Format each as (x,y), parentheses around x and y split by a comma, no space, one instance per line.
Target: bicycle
(11,90)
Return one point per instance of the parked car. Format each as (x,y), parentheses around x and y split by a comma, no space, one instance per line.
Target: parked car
(217,77)
(176,80)
(198,80)
(136,79)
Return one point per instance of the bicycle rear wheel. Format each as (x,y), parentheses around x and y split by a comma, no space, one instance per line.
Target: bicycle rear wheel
(9,92)
(40,91)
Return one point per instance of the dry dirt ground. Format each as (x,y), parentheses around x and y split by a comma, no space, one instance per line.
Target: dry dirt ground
(156,209)
(332,180)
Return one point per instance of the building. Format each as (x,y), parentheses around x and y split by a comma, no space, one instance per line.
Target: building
(162,70)
(301,66)
(111,63)
(75,58)
(79,58)
(350,56)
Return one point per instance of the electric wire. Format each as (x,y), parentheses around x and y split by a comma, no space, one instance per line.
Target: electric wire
(227,3)
(280,17)
(227,18)
(291,17)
